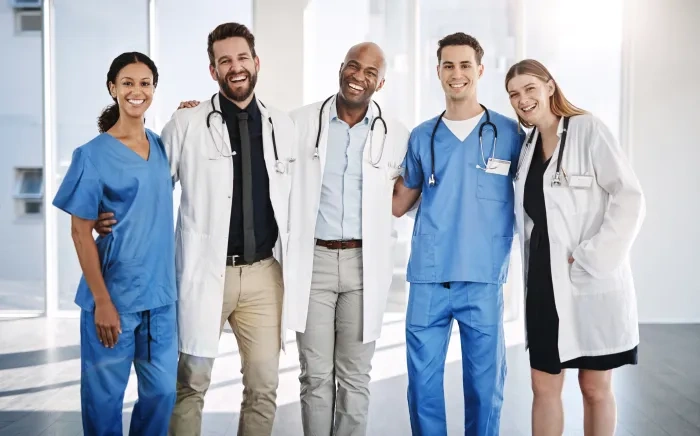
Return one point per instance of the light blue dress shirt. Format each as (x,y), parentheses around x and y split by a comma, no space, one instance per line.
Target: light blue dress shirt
(340,209)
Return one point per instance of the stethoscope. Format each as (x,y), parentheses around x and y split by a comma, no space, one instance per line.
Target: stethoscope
(556,178)
(371,132)
(431,179)
(280,167)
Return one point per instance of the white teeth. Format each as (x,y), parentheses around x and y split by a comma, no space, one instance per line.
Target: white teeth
(136,102)
(458,85)
(356,87)
(238,78)
(529,108)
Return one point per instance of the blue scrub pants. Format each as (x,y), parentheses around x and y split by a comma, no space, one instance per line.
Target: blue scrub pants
(478,309)
(105,373)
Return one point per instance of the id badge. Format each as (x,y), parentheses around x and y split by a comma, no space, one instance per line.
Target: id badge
(580,182)
(498,166)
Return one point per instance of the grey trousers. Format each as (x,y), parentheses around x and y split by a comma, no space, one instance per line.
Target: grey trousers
(331,350)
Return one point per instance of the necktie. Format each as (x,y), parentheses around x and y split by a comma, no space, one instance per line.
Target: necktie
(247,179)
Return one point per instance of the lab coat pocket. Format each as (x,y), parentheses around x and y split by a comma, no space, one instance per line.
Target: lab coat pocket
(124,280)
(493,187)
(584,283)
(422,261)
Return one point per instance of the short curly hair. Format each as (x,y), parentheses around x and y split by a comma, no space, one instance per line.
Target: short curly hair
(460,38)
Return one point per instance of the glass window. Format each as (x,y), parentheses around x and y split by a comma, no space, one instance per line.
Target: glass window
(87,38)
(586,64)
(21,185)
(493,24)
(30,183)
(181,55)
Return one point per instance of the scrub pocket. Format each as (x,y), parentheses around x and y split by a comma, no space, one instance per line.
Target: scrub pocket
(493,187)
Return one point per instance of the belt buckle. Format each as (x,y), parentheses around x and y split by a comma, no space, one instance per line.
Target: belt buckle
(233,259)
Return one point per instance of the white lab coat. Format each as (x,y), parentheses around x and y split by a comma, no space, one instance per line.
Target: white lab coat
(595,296)
(206,179)
(378,230)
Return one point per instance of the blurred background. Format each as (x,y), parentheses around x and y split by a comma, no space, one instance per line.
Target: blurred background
(632,63)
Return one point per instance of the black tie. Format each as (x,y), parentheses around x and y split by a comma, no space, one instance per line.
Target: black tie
(248,226)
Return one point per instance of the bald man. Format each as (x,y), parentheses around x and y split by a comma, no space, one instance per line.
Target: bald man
(342,242)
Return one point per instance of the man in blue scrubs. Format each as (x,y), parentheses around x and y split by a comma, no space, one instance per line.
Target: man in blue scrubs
(460,250)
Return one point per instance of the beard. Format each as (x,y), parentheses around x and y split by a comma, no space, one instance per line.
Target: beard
(239,94)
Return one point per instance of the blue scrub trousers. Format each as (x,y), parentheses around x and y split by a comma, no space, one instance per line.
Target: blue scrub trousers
(478,309)
(105,373)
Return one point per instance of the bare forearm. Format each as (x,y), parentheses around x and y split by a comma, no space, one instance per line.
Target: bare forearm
(403,199)
(89,259)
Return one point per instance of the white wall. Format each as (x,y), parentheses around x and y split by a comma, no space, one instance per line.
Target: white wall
(279,34)
(664,90)
(21,238)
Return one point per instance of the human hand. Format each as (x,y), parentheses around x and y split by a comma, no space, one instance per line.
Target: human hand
(104,223)
(107,323)
(571,259)
(188,104)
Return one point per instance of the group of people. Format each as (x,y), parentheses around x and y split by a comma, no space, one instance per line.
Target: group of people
(287,221)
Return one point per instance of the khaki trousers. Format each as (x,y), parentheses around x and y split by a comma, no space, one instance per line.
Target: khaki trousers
(253,308)
(331,350)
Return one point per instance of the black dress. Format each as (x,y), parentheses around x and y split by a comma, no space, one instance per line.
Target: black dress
(541,312)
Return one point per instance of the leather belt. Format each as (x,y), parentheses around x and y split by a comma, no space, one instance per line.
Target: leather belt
(340,245)
(237,259)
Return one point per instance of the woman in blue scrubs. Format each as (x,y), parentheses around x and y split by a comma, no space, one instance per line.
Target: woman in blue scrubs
(127,291)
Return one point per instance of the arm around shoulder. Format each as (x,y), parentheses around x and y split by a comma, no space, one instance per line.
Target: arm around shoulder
(407,189)
(172,139)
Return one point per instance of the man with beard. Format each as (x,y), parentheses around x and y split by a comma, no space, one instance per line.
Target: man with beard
(461,163)
(231,156)
(343,242)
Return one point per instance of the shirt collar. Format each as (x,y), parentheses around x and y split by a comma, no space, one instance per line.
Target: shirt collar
(333,114)
(229,109)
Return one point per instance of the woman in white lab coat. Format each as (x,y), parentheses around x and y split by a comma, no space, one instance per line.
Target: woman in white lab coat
(579,207)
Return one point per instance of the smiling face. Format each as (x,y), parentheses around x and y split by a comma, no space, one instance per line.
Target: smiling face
(459,72)
(133,90)
(361,74)
(530,97)
(235,68)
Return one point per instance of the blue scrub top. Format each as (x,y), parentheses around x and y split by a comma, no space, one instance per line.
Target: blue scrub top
(465,223)
(138,256)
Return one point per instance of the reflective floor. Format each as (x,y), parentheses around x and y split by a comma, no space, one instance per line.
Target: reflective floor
(39,385)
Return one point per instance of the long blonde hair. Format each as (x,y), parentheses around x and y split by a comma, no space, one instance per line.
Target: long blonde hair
(558,104)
